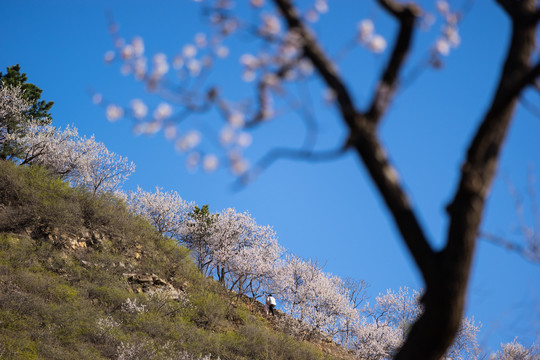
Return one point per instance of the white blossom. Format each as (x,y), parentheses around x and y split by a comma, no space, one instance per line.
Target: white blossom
(97,98)
(243,252)
(442,46)
(236,119)
(321,6)
(114,112)
(189,51)
(109,56)
(99,169)
(239,165)
(127,52)
(163,111)
(365,29)
(138,46)
(222,51)
(161,66)
(13,108)
(249,61)
(200,40)
(329,95)
(226,135)
(248,75)
(210,163)
(256,3)
(170,131)
(374,341)
(312,16)
(194,67)
(516,351)
(316,298)
(140,68)
(449,37)
(139,108)
(442,6)
(270,25)
(106,325)
(152,127)
(377,44)
(244,139)
(189,141)
(306,67)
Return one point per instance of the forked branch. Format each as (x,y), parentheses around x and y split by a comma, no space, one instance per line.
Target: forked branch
(363,128)
(406,14)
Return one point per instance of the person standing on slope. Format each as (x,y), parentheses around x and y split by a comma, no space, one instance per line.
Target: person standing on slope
(271,303)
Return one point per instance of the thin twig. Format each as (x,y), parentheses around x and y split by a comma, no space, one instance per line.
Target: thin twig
(286,153)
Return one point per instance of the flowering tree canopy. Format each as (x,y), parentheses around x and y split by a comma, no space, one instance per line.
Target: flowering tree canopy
(13,108)
(318,299)
(516,351)
(233,248)
(82,161)
(166,211)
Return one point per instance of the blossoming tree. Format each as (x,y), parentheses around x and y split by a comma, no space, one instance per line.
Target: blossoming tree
(13,109)
(165,210)
(20,105)
(286,52)
(319,300)
(232,247)
(516,351)
(82,161)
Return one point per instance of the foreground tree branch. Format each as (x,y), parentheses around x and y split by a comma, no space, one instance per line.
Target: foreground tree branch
(444,300)
(406,15)
(362,131)
(445,273)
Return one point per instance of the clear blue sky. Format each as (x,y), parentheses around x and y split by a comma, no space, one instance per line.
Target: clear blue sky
(325,211)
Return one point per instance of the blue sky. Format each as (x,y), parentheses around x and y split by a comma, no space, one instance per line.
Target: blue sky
(325,211)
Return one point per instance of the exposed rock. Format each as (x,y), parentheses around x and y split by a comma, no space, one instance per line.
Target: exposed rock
(153,285)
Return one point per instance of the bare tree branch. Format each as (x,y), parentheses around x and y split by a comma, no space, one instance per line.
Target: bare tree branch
(444,305)
(363,136)
(323,65)
(406,14)
(287,153)
(533,257)
(263,87)
(387,181)
(530,234)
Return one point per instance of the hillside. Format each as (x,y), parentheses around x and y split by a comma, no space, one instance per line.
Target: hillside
(82,278)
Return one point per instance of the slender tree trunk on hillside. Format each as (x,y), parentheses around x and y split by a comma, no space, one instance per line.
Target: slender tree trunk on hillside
(445,272)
